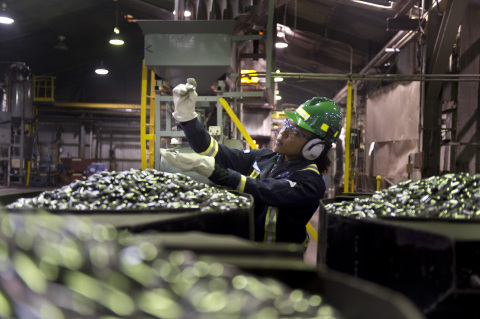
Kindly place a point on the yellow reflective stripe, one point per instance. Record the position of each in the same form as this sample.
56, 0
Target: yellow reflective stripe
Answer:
254, 174
212, 150
241, 185
303, 113
270, 235
311, 167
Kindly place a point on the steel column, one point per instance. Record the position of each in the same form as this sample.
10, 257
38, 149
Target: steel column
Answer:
431, 137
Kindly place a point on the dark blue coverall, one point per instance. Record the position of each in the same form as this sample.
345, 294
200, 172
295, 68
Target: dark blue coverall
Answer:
286, 194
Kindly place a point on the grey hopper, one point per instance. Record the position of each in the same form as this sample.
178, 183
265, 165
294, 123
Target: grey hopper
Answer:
177, 50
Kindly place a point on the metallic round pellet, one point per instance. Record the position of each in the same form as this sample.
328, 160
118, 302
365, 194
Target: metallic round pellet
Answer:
135, 190
454, 196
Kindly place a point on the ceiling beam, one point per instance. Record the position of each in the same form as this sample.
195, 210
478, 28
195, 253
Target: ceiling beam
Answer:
401, 7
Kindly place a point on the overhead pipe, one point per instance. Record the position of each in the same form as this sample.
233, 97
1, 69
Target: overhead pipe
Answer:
98, 105
380, 77
402, 36
345, 44
399, 40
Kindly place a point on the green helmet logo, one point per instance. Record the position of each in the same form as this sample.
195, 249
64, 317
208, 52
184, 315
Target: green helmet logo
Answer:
319, 115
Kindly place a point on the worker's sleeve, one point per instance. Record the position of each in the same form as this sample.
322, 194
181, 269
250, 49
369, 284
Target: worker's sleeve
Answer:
299, 188
219, 175
233, 168
204, 144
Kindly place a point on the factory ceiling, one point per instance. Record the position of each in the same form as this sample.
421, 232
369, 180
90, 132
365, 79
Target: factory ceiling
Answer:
329, 36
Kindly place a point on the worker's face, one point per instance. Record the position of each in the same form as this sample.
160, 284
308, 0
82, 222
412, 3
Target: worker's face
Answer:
290, 140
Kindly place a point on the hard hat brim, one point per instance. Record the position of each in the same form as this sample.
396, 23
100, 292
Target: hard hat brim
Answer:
298, 120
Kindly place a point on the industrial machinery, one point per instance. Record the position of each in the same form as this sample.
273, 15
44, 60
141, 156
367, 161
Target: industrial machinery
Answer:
16, 115
418, 237
207, 51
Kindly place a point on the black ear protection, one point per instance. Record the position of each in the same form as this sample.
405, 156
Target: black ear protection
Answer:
317, 147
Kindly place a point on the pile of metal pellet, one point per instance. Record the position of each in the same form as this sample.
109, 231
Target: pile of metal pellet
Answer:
56, 268
453, 196
136, 190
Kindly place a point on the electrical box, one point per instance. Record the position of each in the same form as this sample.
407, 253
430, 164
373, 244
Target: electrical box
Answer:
5, 135
417, 160
355, 136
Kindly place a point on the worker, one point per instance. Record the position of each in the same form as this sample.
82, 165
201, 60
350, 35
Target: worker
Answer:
285, 183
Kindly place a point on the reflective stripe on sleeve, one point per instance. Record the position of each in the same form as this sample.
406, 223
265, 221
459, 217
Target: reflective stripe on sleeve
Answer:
256, 170
270, 235
241, 185
254, 174
212, 150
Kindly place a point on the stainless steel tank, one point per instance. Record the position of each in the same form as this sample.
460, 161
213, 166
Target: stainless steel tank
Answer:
19, 90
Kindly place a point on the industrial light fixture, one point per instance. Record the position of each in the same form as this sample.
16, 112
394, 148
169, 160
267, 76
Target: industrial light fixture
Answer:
186, 13
249, 76
61, 45
392, 50
278, 97
101, 69
278, 78
116, 38
383, 4
4, 18
281, 33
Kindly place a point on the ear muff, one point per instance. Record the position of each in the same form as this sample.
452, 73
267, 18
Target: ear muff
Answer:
316, 147
313, 149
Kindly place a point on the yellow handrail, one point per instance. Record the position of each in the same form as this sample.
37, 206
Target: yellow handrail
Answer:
347, 137
143, 116
151, 143
237, 122
43, 88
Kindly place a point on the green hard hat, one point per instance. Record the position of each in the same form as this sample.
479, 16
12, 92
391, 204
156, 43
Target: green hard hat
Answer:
318, 115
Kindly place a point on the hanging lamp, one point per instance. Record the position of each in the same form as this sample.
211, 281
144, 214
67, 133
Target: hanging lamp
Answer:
116, 38
101, 69
4, 17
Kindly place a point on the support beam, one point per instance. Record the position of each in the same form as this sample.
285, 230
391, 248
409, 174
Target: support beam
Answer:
467, 134
431, 137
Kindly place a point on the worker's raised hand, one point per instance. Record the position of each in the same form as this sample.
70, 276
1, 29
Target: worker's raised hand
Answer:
184, 98
203, 165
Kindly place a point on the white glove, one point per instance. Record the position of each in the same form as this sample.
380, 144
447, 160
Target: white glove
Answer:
184, 98
203, 165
